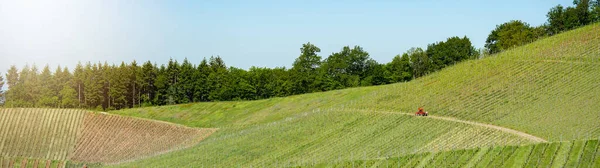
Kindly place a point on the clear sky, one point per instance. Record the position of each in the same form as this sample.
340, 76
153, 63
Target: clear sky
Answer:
265, 33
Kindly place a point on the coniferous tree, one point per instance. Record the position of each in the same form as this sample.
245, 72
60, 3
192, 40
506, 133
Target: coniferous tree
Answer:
93, 86
162, 86
47, 96
201, 85
218, 80
187, 80
79, 78
148, 82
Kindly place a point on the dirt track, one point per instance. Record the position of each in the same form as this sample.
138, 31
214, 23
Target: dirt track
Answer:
503, 129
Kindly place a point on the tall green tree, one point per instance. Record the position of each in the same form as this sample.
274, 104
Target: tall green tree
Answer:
47, 96
148, 87
595, 11
12, 78
68, 97
162, 86
218, 80
93, 86
173, 69
305, 70
133, 83
419, 62
450, 52
187, 81
399, 69
556, 20
118, 86
201, 85
241, 89
79, 76
510, 34
583, 11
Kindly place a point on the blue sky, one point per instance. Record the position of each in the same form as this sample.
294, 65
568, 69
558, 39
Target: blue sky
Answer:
244, 33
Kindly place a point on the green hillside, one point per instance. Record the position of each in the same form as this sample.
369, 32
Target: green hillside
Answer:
580, 153
546, 89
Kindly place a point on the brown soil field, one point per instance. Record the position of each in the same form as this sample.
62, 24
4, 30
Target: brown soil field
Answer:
112, 139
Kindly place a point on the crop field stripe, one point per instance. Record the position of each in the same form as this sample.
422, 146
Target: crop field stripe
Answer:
414, 160
46, 133
63, 128
54, 125
597, 158
40, 125
70, 130
562, 154
78, 132
520, 156
425, 160
438, 159
588, 153
533, 159
4, 129
76, 126
455, 158
15, 132
39, 129
36, 128
575, 154
549, 154
501, 159
464, 159
487, 159
16, 149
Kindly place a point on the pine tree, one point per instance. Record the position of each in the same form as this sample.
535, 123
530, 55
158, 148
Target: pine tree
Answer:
186, 82
148, 82
47, 96
79, 78
201, 83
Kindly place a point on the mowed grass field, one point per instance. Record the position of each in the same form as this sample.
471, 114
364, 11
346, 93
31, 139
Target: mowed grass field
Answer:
61, 137
547, 89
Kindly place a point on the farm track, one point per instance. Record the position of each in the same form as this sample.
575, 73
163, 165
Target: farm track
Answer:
503, 129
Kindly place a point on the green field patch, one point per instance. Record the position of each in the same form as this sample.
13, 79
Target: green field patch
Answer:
549, 154
562, 154
535, 156
588, 153
575, 154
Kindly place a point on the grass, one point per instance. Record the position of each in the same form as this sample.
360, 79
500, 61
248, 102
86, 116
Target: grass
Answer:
547, 88
503, 156
21, 162
330, 136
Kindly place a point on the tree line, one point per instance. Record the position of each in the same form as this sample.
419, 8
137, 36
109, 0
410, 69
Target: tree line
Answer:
105, 87
516, 33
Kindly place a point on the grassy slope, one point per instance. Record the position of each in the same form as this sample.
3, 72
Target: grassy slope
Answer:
547, 88
538, 155
329, 136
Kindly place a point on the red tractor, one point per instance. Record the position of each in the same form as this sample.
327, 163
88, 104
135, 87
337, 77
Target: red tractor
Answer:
421, 112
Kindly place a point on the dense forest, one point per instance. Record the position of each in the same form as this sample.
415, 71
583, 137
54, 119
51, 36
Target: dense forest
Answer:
106, 86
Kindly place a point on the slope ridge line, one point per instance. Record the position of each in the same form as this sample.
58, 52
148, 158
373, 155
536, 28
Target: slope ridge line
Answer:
499, 128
